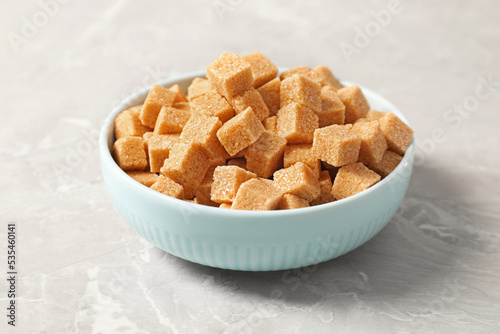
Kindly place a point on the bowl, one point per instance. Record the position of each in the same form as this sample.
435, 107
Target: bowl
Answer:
252, 240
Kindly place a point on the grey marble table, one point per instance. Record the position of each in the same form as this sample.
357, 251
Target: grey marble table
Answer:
81, 269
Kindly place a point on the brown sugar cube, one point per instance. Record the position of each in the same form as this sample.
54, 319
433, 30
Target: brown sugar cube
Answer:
257, 194
204, 201
145, 138
335, 145
298, 180
251, 98
327, 78
212, 164
361, 120
302, 153
333, 172
202, 130
331, 169
129, 153
397, 133
265, 156
182, 106
198, 87
225, 206
240, 131
216, 161
301, 70
159, 147
289, 201
205, 187
135, 110
157, 98
374, 115
263, 70
325, 185
270, 93
145, 178
213, 104
356, 105
326, 166
203, 191
226, 182
187, 164
240, 162
168, 187
387, 164
271, 124
188, 193
352, 179
127, 123
296, 123
332, 109
171, 120
373, 144
240, 154
230, 75
302, 90
179, 94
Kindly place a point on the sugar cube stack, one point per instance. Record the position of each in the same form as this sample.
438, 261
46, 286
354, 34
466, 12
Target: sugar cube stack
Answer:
248, 138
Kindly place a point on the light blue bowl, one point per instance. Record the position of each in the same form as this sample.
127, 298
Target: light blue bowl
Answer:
252, 240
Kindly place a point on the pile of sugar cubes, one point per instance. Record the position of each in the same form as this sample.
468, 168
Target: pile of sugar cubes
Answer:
246, 139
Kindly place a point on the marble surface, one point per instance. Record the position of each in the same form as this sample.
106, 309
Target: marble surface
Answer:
435, 268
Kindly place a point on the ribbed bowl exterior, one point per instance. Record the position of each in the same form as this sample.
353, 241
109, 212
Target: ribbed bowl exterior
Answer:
247, 240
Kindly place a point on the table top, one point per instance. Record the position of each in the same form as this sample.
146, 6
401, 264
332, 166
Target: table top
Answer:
81, 269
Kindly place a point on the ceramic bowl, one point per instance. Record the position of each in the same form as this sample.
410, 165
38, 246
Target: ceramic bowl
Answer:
252, 240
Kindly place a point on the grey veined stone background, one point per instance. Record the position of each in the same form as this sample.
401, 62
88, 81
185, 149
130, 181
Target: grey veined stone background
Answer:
81, 269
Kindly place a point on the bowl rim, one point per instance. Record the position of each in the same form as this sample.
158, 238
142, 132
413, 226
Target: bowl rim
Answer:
106, 157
